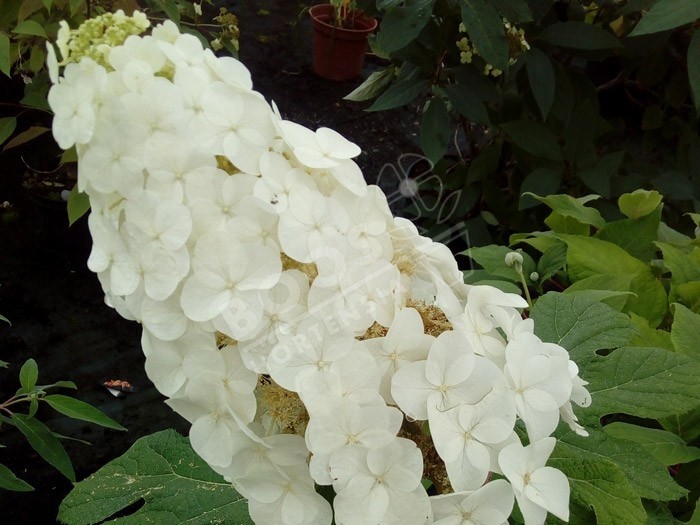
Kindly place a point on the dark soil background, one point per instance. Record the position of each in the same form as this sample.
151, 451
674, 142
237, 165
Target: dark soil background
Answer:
56, 305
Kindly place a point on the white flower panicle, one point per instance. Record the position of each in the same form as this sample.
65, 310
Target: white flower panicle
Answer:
308, 336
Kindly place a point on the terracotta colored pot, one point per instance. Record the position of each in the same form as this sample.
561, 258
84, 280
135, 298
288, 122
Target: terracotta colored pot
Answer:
339, 52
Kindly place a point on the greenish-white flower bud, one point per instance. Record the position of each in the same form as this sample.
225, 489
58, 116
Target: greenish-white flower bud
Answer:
513, 258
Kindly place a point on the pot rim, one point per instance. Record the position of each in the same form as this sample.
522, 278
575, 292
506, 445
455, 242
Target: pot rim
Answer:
318, 11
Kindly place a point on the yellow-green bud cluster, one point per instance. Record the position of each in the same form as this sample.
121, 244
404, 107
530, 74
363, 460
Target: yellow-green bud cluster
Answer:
96, 36
516, 45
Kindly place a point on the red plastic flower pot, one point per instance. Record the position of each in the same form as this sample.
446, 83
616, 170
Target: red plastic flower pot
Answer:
339, 52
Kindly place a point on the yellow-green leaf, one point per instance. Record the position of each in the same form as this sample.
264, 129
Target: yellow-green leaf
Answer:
30, 27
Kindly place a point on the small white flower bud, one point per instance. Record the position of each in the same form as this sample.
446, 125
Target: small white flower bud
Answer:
513, 258
534, 277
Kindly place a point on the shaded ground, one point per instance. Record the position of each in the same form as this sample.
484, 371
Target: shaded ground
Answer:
56, 304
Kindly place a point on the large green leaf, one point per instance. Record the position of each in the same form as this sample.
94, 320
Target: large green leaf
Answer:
399, 94
465, 101
667, 14
542, 80
515, 11
639, 203
649, 478
45, 443
684, 268
665, 446
485, 29
635, 236
77, 409
435, 129
492, 259
163, 470
588, 256
694, 67
600, 485
642, 382
402, 24
580, 325
541, 181
685, 332
30, 27
534, 138
9, 481
579, 35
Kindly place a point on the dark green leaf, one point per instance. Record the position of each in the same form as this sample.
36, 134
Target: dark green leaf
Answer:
60, 384
75, 6
9, 481
553, 259
30, 27
599, 176
4, 55
600, 485
170, 8
435, 130
534, 138
694, 67
492, 259
45, 443
485, 29
666, 447
77, 409
515, 11
27, 135
402, 24
542, 80
687, 426
78, 205
667, 14
33, 407
162, 470
373, 86
28, 375
467, 103
7, 128
580, 325
649, 477
399, 94
579, 35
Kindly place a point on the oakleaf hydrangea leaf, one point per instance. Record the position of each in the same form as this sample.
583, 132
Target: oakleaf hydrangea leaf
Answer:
163, 470
580, 324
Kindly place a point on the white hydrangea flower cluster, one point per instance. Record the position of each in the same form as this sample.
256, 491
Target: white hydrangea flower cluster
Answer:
310, 337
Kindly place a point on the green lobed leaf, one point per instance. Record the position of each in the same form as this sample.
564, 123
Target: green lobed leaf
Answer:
685, 331
9, 481
399, 94
7, 128
373, 86
78, 205
649, 336
639, 203
485, 29
665, 446
534, 138
45, 443
542, 80
540, 181
667, 14
684, 267
569, 206
77, 409
579, 35
599, 485
559, 223
176, 485
30, 27
635, 236
579, 324
402, 24
687, 426
642, 382
4, 55
28, 375
588, 256
435, 130
619, 285
649, 478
